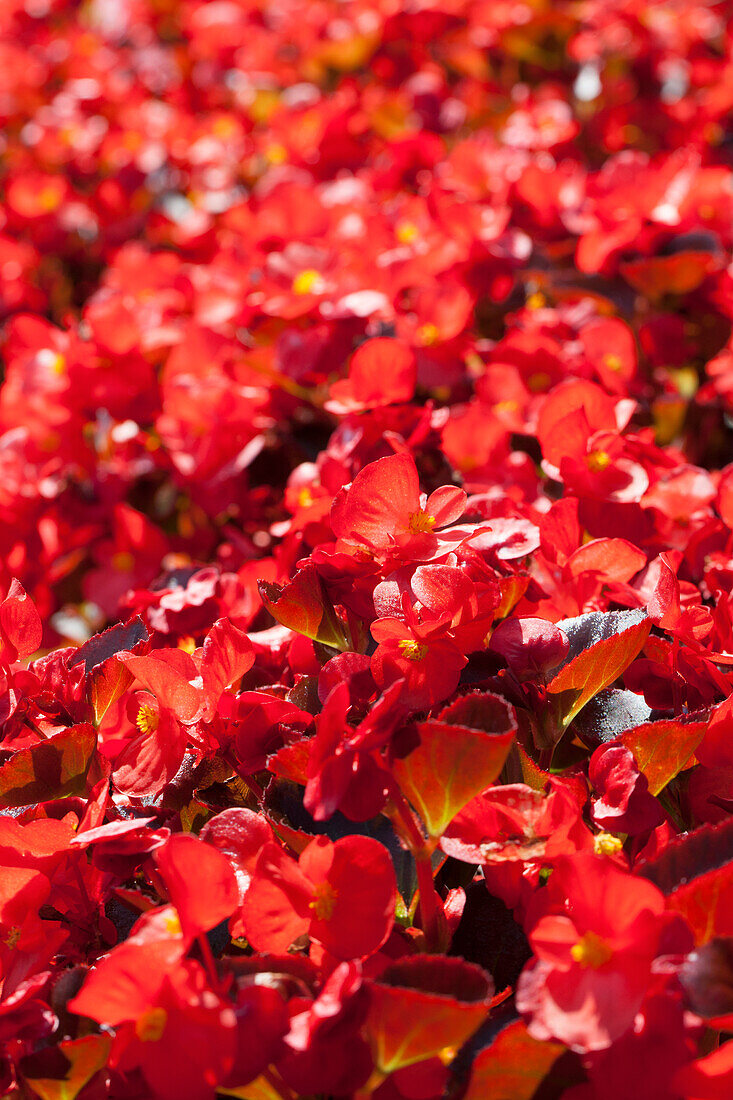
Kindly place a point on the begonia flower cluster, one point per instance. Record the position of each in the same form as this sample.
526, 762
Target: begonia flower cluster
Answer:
366, 549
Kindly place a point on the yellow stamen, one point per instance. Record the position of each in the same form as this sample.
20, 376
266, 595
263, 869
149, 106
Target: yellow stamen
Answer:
428, 334
413, 650
536, 300
305, 282
12, 938
421, 523
591, 950
406, 232
150, 1026
147, 719
597, 461
613, 362
324, 900
606, 845
173, 924
49, 198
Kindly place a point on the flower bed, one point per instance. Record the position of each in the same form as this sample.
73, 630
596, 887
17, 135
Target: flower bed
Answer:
366, 555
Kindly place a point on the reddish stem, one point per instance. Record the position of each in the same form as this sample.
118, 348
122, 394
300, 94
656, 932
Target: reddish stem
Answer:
432, 917
209, 961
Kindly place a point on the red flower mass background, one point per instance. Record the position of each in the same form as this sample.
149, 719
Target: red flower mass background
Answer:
366, 550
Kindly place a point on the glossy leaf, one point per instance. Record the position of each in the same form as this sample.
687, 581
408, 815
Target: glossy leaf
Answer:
20, 623
84, 1057
421, 1005
512, 1067
121, 638
106, 684
663, 749
707, 978
302, 606
695, 872
453, 762
54, 768
598, 667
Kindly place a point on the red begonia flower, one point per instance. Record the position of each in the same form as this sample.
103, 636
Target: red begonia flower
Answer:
341, 894
384, 511
594, 947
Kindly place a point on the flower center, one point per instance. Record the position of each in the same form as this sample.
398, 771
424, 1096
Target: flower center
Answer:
406, 232
12, 938
606, 845
173, 924
305, 281
49, 198
150, 1026
428, 334
413, 650
597, 461
323, 901
613, 362
421, 523
591, 950
147, 719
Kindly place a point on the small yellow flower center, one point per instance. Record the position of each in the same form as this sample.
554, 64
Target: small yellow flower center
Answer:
51, 360
173, 924
413, 650
12, 938
406, 232
306, 281
428, 334
597, 461
606, 845
613, 362
147, 719
421, 523
536, 300
187, 644
506, 406
49, 198
591, 950
305, 497
323, 901
276, 154
150, 1026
